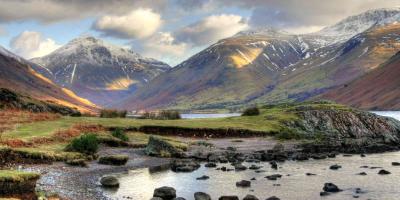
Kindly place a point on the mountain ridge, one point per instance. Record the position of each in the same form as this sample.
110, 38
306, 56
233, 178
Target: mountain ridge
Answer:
97, 70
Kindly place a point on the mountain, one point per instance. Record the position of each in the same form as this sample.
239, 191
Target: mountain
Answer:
376, 90
98, 71
17, 75
267, 65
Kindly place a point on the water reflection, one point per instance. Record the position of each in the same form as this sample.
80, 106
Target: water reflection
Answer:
140, 184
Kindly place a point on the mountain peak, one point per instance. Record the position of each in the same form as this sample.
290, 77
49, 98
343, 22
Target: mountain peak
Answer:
267, 31
356, 24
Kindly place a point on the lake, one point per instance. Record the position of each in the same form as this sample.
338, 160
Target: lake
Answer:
394, 114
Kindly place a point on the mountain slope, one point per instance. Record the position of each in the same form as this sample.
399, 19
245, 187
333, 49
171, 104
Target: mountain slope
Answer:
17, 75
266, 65
377, 90
332, 67
98, 71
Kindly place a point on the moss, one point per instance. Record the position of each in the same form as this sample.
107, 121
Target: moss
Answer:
17, 176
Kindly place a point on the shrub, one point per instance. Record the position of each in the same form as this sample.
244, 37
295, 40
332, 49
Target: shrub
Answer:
119, 133
87, 144
163, 115
106, 113
169, 114
253, 111
289, 134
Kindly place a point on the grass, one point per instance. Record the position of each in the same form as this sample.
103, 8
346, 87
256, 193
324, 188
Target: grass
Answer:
142, 139
270, 120
17, 176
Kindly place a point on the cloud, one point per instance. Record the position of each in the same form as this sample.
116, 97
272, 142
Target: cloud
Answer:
299, 14
30, 44
211, 29
139, 23
163, 46
48, 11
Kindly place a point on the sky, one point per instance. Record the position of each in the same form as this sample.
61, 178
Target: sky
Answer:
168, 30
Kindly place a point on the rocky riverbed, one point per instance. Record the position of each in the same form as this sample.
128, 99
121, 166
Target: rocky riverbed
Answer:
273, 169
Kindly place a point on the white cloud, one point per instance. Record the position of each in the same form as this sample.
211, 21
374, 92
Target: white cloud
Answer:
139, 23
163, 46
30, 44
48, 11
211, 29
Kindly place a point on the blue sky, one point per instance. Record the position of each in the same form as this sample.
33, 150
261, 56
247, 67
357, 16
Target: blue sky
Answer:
169, 30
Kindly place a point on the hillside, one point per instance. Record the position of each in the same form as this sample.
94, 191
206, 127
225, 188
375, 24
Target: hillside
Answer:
17, 75
267, 65
377, 90
98, 71
12, 100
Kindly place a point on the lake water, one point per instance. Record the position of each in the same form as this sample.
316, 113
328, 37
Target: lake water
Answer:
394, 114
202, 116
294, 185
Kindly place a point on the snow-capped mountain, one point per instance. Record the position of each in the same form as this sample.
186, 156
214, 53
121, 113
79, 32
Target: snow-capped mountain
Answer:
97, 70
354, 25
267, 65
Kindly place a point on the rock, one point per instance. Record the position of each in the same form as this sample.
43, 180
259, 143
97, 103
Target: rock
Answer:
273, 177
362, 155
184, 165
331, 155
160, 148
109, 181
210, 165
178, 198
243, 183
335, 167
330, 187
396, 163
165, 193
274, 165
362, 174
77, 162
319, 156
114, 160
229, 198
301, 157
231, 148
383, 172
347, 155
323, 193
253, 179
250, 197
273, 198
240, 167
254, 167
278, 147
201, 196
259, 171
310, 174
204, 177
